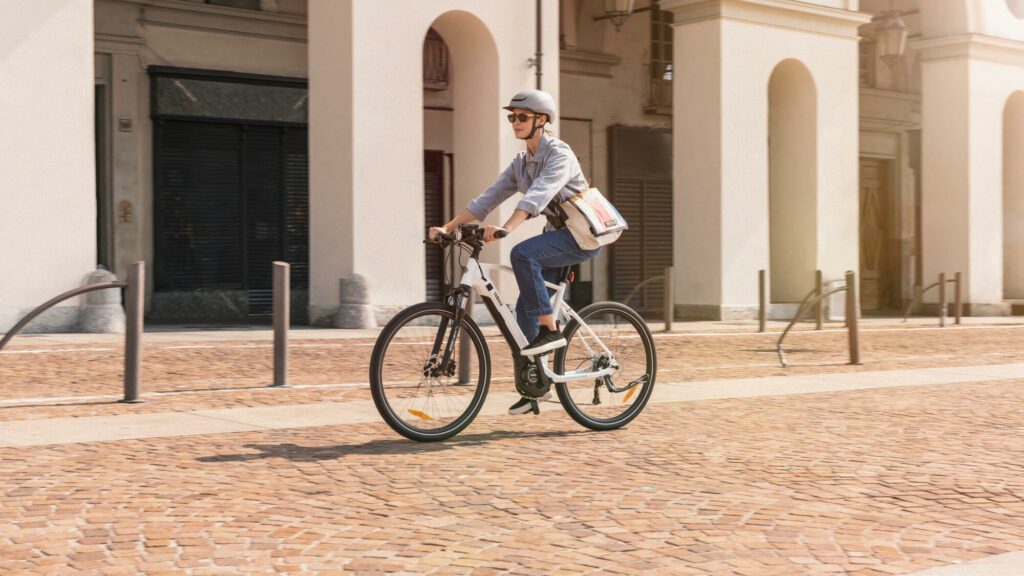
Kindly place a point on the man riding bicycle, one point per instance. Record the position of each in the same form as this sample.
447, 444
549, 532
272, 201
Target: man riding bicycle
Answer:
546, 173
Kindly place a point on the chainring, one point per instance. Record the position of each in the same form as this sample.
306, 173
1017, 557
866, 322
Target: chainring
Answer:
528, 381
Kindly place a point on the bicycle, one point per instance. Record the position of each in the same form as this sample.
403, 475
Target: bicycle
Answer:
431, 367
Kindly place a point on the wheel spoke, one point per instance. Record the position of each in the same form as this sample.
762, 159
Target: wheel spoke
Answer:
410, 393
606, 404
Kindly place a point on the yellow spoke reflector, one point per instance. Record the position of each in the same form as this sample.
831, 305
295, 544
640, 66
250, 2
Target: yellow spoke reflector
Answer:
420, 415
630, 393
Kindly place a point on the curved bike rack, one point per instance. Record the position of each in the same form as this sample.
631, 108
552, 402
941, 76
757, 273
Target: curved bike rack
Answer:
851, 317
762, 299
669, 304
134, 305
941, 283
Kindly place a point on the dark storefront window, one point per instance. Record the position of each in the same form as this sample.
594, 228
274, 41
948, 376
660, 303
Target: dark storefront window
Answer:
231, 185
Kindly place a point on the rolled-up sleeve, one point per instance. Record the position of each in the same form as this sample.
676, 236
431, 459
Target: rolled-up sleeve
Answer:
552, 178
500, 191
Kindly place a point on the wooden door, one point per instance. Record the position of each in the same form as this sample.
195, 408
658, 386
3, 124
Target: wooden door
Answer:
876, 276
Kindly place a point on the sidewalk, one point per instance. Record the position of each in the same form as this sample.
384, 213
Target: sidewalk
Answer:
170, 424
162, 333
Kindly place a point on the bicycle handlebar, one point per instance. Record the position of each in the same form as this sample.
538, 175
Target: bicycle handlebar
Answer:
467, 233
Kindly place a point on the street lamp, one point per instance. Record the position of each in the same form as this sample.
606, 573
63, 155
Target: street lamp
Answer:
618, 10
891, 35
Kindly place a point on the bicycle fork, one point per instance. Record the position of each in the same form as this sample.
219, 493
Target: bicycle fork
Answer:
447, 336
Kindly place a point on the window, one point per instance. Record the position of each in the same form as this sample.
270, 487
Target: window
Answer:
231, 185
661, 43
659, 84
435, 62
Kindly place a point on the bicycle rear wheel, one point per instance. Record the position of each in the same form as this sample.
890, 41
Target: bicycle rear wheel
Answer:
416, 394
612, 401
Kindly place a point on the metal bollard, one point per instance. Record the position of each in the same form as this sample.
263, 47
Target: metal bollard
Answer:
853, 329
958, 303
135, 307
762, 314
942, 300
669, 299
466, 349
819, 308
282, 319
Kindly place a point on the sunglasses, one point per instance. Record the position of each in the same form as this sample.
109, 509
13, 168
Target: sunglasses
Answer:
521, 117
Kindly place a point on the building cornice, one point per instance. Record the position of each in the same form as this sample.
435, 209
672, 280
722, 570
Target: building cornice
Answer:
971, 46
210, 18
790, 14
113, 44
889, 110
587, 63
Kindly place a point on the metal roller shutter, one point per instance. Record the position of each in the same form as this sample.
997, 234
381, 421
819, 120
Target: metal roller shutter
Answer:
641, 188
231, 199
433, 210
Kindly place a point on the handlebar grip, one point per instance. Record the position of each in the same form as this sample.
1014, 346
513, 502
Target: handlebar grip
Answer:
500, 233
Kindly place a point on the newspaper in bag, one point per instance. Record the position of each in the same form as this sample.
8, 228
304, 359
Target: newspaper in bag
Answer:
592, 219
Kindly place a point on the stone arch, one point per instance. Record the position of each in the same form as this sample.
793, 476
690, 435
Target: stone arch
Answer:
472, 127
792, 177
1013, 197
1016, 8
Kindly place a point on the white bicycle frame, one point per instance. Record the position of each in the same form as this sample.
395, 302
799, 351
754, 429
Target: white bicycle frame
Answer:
474, 277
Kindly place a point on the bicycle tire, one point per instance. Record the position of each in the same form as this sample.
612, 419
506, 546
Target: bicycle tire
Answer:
387, 403
570, 398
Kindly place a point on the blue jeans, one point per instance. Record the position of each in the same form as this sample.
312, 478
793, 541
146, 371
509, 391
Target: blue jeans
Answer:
538, 259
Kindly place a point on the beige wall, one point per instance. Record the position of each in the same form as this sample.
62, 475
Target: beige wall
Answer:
725, 54
47, 185
967, 81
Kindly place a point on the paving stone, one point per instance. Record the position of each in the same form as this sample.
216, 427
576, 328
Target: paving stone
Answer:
882, 481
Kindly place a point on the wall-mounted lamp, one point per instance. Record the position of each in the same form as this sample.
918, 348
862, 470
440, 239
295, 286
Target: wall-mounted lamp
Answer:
618, 10
891, 35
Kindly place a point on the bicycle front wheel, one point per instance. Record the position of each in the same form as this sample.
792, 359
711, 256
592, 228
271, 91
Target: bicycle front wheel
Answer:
416, 392
613, 335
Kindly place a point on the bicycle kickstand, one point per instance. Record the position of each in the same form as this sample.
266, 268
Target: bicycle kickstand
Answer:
534, 407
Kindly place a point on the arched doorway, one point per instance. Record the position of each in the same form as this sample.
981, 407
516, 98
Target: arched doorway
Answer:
461, 122
1013, 197
438, 204
792, 195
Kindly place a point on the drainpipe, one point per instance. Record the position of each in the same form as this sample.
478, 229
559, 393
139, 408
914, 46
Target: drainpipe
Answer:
537, 56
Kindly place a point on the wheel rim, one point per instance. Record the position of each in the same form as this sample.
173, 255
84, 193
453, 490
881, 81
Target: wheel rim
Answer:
629, 345
419, 396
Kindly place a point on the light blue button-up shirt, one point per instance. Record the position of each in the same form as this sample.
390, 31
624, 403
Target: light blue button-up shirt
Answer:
552, 174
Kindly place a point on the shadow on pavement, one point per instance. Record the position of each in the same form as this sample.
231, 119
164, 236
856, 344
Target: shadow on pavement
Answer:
297, 453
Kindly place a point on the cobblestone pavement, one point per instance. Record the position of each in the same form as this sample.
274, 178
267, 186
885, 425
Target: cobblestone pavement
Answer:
860, 482
865, 482
190, 375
